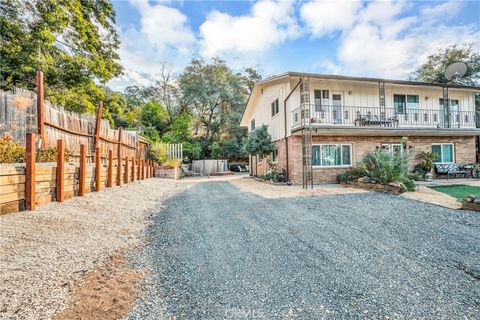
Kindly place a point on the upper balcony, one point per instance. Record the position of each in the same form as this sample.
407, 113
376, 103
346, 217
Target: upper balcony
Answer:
370, 117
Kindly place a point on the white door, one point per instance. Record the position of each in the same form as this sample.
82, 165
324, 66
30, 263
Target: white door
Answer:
337, 103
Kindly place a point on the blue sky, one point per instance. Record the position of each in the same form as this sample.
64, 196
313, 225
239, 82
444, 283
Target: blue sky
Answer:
368, 38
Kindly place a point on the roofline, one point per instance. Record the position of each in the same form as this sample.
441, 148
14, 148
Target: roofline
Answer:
352, 78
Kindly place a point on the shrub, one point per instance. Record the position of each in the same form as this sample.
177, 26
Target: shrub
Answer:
384, 167
49, 154
172, 163
10, 151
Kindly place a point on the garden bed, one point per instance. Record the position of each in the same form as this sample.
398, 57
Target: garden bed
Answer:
274, 183
390, 188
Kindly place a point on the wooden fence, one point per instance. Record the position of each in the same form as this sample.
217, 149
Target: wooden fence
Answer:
23, 112
23, 186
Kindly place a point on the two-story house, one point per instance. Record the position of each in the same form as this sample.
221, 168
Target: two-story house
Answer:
324, 124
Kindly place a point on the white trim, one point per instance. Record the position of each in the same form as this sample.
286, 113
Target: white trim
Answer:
441, 152
333, 144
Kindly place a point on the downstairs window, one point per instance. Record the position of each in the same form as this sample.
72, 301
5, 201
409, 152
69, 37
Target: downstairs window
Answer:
331, 155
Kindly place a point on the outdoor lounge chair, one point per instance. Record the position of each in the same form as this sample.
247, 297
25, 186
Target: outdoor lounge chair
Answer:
188, 173
450, 169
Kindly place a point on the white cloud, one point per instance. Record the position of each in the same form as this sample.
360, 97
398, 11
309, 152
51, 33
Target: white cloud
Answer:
383, 41
323, 17
164, 26
268, 24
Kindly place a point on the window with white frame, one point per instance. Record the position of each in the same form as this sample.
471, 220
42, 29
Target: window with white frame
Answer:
275, 107
275, 155
332, 155
394, 148
404, 102
445, 152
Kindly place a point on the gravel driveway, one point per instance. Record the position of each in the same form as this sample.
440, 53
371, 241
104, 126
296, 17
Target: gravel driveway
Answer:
220, 253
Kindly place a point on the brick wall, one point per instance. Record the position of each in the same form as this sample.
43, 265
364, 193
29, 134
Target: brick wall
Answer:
464, 152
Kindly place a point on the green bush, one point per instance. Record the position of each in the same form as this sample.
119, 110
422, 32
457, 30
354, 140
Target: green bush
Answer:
383, 167
10, 151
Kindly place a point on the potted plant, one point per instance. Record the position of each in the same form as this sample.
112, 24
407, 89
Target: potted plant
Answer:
426, 164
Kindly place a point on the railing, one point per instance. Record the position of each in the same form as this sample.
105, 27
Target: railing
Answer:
385, 117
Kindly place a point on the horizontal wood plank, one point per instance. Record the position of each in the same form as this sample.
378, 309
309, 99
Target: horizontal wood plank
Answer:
7, 180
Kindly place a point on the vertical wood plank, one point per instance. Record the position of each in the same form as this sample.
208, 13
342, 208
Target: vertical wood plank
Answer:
119, 157
98, 123
139, 169
30, 172
60, 170
83, 165
110, 169
97, 168
133, 168
126, 170
40, 108
143, 169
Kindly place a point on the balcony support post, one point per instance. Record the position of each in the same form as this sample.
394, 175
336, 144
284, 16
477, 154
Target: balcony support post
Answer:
446, 108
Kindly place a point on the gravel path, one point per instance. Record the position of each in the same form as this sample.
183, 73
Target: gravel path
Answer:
43, 253
220, 253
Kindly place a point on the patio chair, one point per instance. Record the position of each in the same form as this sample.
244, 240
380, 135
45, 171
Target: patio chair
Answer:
188, 173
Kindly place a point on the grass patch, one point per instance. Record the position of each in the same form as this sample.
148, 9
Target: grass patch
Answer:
458, 191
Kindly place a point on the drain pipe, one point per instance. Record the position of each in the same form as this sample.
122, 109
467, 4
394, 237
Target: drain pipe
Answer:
285, 120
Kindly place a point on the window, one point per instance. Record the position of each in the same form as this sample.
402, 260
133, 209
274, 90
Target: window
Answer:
444, 151
331, 155
318, 100
275, 155
252, 125
402, 102
413, 102
325, 98
275, 107
394, 148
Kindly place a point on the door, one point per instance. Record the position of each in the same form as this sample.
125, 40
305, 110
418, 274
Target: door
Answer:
337, 103
453, 117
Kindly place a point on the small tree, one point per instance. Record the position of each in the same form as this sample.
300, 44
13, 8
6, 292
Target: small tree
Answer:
259, 142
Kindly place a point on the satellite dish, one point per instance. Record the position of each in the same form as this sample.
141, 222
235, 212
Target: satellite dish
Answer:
455, 71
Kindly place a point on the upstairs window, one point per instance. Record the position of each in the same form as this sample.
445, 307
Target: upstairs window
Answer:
325, 97
252, 125
404, 102
318, 100
275, 107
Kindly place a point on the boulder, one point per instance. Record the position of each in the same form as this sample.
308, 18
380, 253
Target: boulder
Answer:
476, 200
469, 198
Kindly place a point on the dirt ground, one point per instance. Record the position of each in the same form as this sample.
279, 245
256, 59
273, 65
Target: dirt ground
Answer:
425, 194
107, 292
267, 190
46, 253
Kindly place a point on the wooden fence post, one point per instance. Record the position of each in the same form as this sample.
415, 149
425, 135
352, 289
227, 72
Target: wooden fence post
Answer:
133, 168
30, 172
126, 169
147, 171
119, 157
110, 169
98, 124
97, 168
40, 109
60, 170
139, 170
153, 168
83, 165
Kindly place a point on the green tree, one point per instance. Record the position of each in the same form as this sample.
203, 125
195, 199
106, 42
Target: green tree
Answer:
154, 115
211, 90
259, 142
433, 69
73, 42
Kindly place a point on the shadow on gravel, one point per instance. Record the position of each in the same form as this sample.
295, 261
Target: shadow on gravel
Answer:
220, 253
